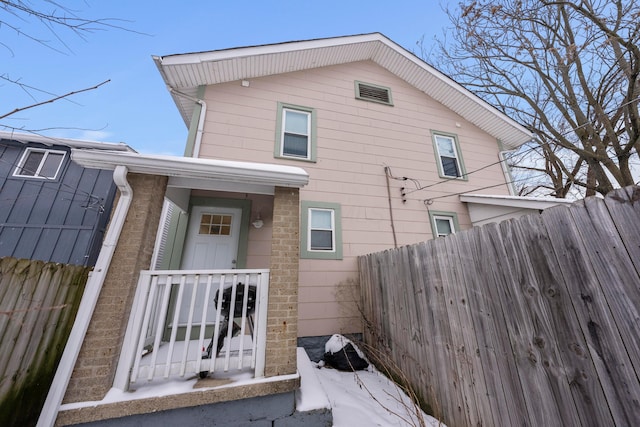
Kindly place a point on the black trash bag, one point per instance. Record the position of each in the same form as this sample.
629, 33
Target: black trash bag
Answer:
346, 359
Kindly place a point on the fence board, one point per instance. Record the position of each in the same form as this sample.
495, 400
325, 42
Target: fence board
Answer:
38, 302
615, 272
496, 353
611, 362
441, 337
531, 327
474, 343
425, 347
624, 209
532, 322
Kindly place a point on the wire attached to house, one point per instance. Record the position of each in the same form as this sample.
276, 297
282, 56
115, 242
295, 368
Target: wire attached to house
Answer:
430, 200
387, 173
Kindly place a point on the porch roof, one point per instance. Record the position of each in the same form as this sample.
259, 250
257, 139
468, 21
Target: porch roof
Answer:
196, 173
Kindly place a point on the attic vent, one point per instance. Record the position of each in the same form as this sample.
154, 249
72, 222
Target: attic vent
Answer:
369, 92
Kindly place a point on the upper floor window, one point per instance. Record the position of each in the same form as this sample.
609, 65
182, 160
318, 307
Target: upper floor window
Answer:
443, 223
447, 149
295, 132
40, 163
322, 234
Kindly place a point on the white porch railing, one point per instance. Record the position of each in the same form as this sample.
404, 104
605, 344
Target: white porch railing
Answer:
177, 315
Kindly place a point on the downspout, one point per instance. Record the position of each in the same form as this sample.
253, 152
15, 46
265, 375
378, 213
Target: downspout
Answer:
506, 170
203, 113
88, 303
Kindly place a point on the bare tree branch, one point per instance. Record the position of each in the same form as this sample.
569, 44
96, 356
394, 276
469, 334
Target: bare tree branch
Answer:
567, 70
54, 99
39, 21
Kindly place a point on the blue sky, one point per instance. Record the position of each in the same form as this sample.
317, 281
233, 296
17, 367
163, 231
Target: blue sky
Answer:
135, 106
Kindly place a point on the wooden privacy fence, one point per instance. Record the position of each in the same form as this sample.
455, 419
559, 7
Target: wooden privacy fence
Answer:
531, 322
38, 303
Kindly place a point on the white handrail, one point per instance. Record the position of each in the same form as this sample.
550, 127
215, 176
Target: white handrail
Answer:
169, 305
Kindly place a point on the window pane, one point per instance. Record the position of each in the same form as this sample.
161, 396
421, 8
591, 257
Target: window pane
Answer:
321, 240
296, 122
51, 164
219, 225
321, 219
32, 163
445, 146
443, 226
294, 145
450, 166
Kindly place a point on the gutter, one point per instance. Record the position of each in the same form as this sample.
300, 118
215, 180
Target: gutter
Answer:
197, 169
88, 303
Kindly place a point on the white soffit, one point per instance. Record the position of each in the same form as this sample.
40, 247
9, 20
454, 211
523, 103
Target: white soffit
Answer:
537, 203
185, 72
189, 172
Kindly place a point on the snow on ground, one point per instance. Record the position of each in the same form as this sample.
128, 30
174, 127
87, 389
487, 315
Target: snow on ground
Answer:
358, 398
368, 398
361, 398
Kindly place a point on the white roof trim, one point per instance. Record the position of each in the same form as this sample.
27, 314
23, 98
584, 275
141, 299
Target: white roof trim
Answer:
185, 72
190, 169
537, 203
26, 138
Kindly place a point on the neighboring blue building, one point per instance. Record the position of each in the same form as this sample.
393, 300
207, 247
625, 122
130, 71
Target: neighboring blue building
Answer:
51, 208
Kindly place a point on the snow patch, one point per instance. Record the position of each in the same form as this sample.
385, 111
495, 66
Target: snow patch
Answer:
337, 342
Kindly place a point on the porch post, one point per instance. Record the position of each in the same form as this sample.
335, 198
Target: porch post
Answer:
95, 368
282, 313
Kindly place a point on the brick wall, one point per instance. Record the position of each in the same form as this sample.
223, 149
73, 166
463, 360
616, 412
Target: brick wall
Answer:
282, 322
94, 371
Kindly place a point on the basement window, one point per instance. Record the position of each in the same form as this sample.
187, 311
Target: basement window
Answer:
443, 223
373, 93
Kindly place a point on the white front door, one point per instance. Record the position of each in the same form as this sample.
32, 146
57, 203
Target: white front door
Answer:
211, 243
212, 238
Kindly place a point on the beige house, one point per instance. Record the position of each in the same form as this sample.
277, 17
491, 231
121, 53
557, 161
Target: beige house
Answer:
300, 157
358, 114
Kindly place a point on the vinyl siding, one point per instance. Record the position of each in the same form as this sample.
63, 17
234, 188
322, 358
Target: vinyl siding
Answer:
53, 220
355, 140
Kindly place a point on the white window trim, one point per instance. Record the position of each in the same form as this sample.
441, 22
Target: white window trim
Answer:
280, 128
308, 134
456, 151
452, 217
36, 175
332, 229
305, 224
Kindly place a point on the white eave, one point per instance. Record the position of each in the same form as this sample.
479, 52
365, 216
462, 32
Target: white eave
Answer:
27, 138
186, 72
537, 203
195, 173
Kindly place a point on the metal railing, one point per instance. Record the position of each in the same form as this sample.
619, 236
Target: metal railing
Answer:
195, 322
